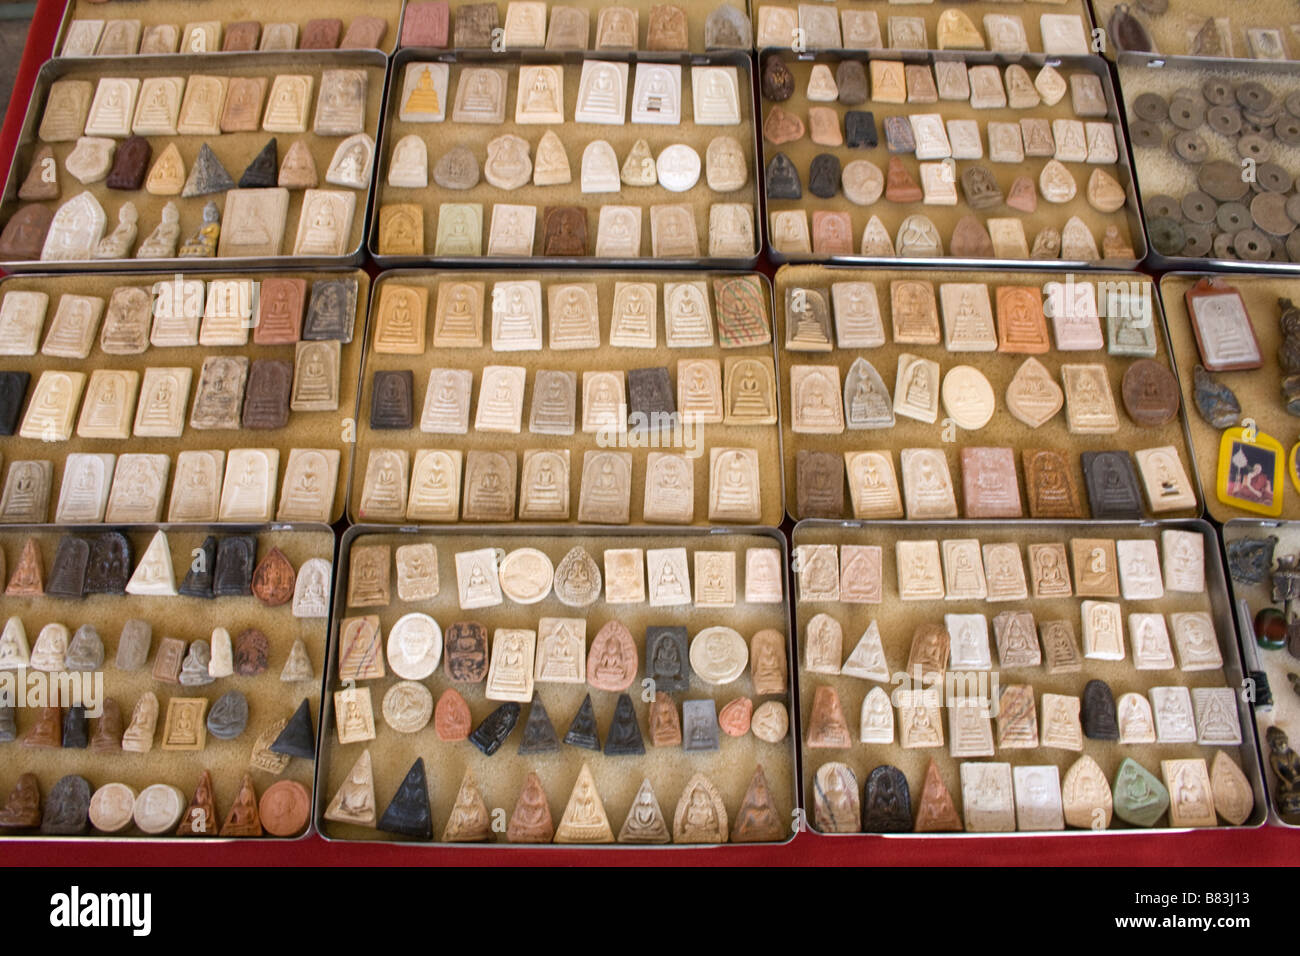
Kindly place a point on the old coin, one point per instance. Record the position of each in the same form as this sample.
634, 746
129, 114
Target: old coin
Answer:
862, 182
1167, 235
1151, 107
1224, 120
678, 167
1269, 212
284, 808
1144, 133
111, 808
407, 707
1232, 217
1287, 130
414, 646
1222, 180
1186, 113
1252, 245
1190, 147
158, 808
1275, 179
1253, 95
718, 655
1254, 146
526, 575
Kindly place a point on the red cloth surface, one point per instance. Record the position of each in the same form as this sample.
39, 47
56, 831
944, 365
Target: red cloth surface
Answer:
1265, 846
1261, 847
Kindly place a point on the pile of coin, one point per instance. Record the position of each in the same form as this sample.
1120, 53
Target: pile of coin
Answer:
1245, 205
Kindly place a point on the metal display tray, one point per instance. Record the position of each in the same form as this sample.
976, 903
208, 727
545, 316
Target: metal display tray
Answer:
440, 136
179, 13
1047, 214
1139, 73
1114, 293
305, 429
929, 12
1275, 664
189, 619
149, 207
691, 439
897, 618
500, 776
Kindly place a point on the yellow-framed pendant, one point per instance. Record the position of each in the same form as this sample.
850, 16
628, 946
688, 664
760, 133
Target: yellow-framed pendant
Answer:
1250, 471
1293, 465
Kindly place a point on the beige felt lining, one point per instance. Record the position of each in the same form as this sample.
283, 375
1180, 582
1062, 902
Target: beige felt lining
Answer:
898, 619
1160, 171
1004, 430
696, 14
501, 776
180, 12
1276, 664
189, 619
1054, 215
1028, 10
234, 150
441, 137
305, 429
764, 438
1258, 391
1172, 31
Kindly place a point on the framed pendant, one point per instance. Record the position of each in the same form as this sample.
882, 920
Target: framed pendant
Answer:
1250, 471
1224, 333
